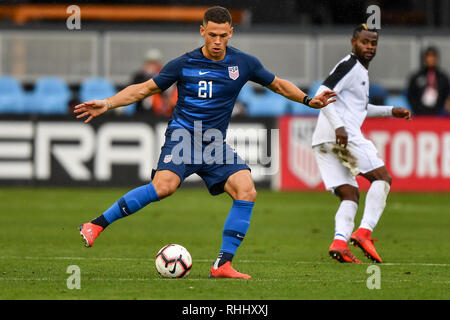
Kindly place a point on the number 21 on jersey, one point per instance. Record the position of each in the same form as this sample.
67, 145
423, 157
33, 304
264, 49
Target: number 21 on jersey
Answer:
205, 89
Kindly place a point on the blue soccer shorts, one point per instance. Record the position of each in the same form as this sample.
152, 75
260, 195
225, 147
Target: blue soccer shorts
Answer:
201, 158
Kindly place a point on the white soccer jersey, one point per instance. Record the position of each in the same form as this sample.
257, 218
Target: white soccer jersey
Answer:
350, 80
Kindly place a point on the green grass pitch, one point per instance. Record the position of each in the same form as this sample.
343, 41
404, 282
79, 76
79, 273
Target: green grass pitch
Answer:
285, 250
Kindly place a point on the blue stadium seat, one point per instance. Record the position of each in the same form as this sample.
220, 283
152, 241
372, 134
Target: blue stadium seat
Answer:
314, 87
130, 109
398, 101
267, 104
377, 94
96, 88
51, 95
30, 105
246, 94
101, 88
301, 109
12, 96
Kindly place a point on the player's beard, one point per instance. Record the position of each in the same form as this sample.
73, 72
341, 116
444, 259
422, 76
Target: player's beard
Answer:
361, 57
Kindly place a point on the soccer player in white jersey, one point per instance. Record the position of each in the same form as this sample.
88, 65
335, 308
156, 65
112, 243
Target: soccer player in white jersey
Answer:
342, 152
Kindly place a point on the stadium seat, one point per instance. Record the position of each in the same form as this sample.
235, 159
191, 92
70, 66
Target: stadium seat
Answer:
377, 94
267, 104
101, 88
96, 88
130, 109
51, 95
246, 94
398, 101
300, 109
12, 96
314, 87
30, 105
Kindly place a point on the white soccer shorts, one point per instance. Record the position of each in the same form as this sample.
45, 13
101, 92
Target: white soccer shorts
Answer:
339, 166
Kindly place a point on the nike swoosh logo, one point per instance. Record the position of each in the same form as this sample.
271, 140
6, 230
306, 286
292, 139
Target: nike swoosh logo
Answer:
175, 264
174, 267
202, 73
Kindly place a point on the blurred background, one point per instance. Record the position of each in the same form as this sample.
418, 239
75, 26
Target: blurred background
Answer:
54, 55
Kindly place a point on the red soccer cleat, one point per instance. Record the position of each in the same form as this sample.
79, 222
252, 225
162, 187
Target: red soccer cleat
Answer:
361, 238
89, 232
340, 251
227, 271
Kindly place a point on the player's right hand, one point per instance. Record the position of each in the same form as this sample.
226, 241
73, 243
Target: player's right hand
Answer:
341, 137
91, 109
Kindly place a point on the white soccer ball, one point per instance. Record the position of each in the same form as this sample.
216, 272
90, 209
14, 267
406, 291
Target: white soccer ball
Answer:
173, 261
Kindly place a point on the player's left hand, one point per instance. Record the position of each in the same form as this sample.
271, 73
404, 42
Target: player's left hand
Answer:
322, 100
401, 113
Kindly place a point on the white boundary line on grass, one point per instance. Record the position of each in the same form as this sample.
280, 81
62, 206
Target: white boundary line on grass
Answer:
209, 279
210, 260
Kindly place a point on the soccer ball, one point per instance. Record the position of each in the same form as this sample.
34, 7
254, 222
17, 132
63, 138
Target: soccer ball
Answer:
173, 261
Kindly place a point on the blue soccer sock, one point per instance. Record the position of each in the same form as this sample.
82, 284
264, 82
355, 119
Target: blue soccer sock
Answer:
234, 230
131, 202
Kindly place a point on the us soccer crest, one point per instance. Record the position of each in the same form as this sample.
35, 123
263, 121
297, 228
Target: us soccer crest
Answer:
167, 158
233, 72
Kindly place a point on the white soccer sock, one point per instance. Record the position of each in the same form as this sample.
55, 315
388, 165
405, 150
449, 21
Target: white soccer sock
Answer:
344, 220
375, 204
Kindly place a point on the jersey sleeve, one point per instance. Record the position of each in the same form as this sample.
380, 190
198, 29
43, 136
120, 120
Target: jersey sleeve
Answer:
341, 76
169, 74
259, 74
330, 111
379, 111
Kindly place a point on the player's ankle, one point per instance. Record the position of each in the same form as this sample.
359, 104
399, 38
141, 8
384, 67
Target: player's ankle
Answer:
101, 221
223, 258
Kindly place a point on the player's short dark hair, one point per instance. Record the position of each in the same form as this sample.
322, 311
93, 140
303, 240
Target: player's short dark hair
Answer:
432, 50
362, 27
217, 14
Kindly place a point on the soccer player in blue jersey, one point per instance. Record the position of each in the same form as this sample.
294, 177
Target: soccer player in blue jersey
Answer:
208, 81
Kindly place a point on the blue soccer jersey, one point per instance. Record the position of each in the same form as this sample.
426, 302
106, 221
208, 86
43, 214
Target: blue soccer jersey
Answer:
207, 89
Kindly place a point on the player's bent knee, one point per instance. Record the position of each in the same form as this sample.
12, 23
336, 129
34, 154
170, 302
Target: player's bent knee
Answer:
164, 191
388, 179
240, 186
252, 195
379, 174
165, 183
246, 195
347, 192
351, 197
164, 188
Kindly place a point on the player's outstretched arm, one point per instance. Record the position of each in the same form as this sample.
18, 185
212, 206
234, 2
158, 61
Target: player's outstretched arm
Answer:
292, 92
387, 111
129, 95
